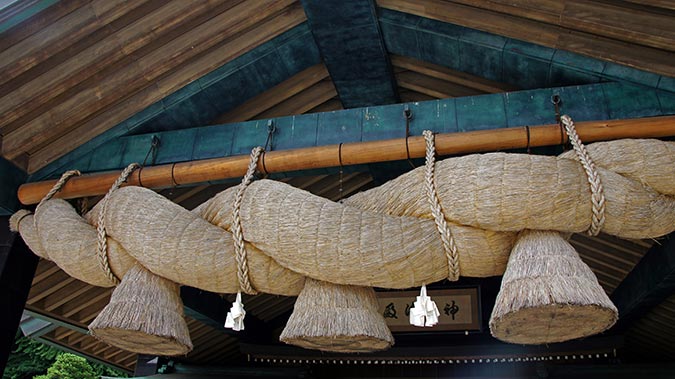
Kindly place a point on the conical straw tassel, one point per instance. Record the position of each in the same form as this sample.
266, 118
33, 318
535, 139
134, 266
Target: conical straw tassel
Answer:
145, 315
338, 318
549, 294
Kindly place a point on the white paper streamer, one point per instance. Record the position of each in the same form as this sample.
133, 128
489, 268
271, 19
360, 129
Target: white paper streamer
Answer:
235, 317
424, 312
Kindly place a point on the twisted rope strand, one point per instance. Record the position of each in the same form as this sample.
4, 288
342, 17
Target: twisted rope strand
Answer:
449, 245
57, 186
102, 251
597, 190
239, 247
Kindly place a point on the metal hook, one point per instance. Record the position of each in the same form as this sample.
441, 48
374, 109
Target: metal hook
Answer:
407, 113
271, 129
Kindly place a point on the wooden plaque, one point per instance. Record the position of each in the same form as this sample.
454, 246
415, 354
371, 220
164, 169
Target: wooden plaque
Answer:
458, 307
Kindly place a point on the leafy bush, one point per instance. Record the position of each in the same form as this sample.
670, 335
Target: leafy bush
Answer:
31, 359
69, 366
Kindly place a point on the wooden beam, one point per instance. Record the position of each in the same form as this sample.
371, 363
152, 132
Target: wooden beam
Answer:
354, 153
348, 35
650, 282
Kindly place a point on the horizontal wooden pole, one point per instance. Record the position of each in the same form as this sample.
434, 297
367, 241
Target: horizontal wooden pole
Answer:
352, 154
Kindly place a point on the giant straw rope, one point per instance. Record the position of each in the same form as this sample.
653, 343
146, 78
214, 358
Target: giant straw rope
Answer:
460, 216
383, 237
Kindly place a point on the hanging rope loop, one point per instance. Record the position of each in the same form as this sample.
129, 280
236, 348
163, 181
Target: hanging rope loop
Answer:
239, 245
102, 251
58, 185
597, 190
449, 245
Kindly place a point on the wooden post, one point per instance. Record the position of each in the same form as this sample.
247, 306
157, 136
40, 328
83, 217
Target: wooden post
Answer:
352, 154
17, 267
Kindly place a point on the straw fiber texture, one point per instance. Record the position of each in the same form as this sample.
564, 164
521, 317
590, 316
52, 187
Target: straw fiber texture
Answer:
337, 318
145, 315
549, 294
382, 237
512, 192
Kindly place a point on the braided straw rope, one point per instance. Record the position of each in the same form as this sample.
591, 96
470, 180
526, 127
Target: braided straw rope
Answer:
449, 245
58, 185
597, 190
102, 252
238, 234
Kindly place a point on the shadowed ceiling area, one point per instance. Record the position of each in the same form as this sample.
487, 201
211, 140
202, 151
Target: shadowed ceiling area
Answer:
80, 78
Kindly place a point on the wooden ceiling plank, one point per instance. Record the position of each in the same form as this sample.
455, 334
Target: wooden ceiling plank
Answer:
91, 343
200, 331
207, 344
76, 338
269, 25
99, 350
353, 186
640, 57
33, 50
333, 104
303, 182
192, 192
550, 35
122, 47
77, 135
65, 333
658, 329
475, 18
88, 314
113, 353
433, 87
618, 271
622, 23
140, 73
547, 11
84, 301
625, 255
271, 302
210, 346
48, 287
651, 282
330, 183
275, 95
126, 357
439, 72
302, 102
665, 4
608, 19
45, 269
71, 292
38, 22
410, 96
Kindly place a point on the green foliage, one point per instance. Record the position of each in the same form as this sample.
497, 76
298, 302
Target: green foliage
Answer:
69, 366
31, 358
